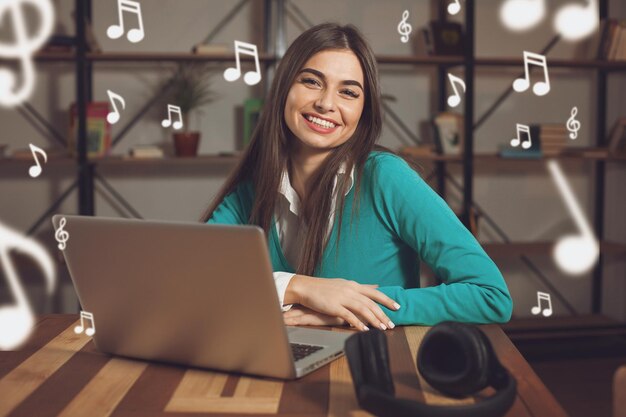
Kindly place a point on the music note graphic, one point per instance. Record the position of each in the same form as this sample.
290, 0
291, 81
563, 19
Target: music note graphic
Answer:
114, 116
541, 88
35, 170
575, 254
251, 77
455, 99
574, 22
547, 312
168, 122
17, 321
61, 235
116, 31
89, 331
25, 44
573, 125
404, 28
520, 15
454, 7
525, 142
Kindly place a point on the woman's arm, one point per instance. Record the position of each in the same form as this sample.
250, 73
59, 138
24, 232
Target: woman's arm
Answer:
472, 289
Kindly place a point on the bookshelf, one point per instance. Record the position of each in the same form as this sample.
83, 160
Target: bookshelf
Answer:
85, 63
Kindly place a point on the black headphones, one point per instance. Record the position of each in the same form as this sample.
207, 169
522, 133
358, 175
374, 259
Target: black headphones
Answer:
454, 358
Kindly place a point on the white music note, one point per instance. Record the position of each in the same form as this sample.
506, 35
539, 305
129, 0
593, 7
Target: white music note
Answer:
520, 15
455, 99
116, 31
23, 47
574, 22
546, 311
540, 88
454, 7
525, 142
17, 321
573, 125
404, 28
114, 116
35, 170
90, 330
168, 122
575, 254
61, 235
251, 77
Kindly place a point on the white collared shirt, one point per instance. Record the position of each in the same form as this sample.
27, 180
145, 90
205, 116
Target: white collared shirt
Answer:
288, 227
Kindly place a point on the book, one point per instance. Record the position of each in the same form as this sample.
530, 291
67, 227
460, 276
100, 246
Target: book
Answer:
98, 129
146, 151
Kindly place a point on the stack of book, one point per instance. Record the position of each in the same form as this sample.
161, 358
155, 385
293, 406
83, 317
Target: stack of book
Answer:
146, 151
553, 138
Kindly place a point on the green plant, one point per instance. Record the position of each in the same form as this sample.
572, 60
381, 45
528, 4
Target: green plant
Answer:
190, 88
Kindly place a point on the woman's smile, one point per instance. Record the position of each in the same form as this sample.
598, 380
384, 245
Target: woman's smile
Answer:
326, 100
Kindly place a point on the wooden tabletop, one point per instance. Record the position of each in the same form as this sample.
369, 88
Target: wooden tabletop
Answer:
60, 373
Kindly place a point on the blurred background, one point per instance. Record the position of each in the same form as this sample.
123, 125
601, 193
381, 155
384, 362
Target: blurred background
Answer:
506, 195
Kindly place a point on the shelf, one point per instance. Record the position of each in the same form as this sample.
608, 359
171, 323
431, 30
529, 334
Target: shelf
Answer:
555, 327
124, 160
554, 63
382, 59
150, 57
569, 154
518, 249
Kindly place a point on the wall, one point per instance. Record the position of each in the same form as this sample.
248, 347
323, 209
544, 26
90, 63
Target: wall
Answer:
522, 199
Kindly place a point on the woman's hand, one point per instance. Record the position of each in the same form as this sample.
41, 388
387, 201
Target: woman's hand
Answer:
348, 300
302, 316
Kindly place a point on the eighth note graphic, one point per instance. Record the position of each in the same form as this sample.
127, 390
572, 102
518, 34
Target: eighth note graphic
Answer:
540, 88
546, 311
455, 99
573, 125
404, 28
250, 77
61, 235
454, 7
575, 254
525, 142
17, 319
116, 31
90, 330
35, 170
114, 116
168, 122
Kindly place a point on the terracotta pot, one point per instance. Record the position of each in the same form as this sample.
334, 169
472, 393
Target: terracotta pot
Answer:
186, 143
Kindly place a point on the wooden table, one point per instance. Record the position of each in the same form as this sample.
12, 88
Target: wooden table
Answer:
60, 373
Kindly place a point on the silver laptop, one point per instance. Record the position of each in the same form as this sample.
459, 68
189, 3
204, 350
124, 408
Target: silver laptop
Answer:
188, 293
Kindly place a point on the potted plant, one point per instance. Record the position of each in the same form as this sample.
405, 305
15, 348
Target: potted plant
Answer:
189, 90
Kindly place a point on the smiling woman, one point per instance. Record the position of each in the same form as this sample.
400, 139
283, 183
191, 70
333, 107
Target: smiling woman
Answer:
312, 160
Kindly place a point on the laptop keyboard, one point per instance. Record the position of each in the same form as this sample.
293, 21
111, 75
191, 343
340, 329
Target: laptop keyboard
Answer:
302, 351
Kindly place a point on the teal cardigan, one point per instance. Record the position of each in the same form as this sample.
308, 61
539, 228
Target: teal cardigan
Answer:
400, 221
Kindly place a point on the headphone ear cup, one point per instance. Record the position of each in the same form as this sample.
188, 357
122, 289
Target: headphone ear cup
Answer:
368, 359
455, 359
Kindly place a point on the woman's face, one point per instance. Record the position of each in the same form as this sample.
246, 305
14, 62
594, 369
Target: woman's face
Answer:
326, 100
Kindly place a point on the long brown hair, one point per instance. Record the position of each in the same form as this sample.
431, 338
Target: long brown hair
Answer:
267, 154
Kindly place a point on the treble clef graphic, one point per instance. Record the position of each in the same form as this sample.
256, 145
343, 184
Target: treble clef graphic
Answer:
22, 49
61, 235
404, 28
573, 125
17, 321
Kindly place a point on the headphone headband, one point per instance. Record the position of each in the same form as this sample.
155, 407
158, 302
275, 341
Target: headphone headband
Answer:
367, 355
